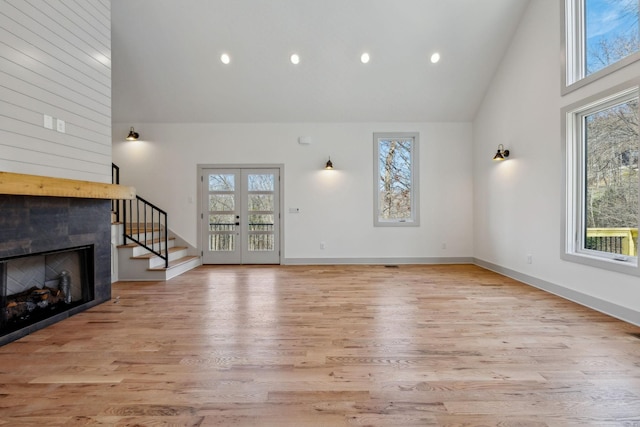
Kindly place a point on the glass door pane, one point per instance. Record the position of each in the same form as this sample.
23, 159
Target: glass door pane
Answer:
221, 216
262, 216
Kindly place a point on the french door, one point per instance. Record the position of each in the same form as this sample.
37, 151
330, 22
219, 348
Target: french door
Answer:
241, 216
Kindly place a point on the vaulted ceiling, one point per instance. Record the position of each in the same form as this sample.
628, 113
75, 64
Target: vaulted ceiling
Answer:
166, 59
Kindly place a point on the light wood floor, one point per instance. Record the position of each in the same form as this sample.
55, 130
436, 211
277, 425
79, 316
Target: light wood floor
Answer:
327, 346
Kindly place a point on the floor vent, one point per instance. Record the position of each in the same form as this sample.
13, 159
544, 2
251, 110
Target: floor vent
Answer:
390, 266
635, 334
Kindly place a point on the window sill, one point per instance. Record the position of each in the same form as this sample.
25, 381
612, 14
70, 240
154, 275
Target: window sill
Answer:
629, 266
396, 224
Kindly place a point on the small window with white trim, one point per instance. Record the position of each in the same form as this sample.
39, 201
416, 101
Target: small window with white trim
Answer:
396, 179
602, 180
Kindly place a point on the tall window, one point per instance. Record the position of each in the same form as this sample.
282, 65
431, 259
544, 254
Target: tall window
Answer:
602, 177
602, 145
396, 179
600, 37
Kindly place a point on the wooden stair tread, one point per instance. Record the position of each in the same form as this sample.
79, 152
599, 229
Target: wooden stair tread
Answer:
175, 263
151, 254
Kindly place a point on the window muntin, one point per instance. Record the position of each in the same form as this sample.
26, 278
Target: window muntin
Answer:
601, 36
602, 179
396, 179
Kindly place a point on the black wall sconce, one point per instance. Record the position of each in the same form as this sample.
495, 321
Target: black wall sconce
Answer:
329, 165
133, 135
502, 154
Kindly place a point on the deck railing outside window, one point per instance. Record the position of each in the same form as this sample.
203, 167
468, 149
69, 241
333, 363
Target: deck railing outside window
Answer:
622, 241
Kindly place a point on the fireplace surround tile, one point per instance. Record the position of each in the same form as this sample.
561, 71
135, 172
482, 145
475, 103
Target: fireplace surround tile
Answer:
34, 224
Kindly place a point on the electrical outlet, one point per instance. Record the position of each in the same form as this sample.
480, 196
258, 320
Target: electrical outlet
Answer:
48, 122
322, 245
60, 126
444, 246
529, 259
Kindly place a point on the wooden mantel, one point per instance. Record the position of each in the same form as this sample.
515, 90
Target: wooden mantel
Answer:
34, 185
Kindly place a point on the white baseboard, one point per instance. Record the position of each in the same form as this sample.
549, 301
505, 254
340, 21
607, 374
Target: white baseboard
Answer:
378, 261
611, 309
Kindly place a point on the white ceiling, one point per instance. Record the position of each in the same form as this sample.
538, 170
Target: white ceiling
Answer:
166, 59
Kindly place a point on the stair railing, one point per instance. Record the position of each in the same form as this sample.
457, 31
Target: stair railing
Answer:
115, 179
146, 225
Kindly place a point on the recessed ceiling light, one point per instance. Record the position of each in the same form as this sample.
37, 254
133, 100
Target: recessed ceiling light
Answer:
225, 58
364, 58
435, 58
295, 59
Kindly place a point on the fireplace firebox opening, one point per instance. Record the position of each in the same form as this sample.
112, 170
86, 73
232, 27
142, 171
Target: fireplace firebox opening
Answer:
38, 286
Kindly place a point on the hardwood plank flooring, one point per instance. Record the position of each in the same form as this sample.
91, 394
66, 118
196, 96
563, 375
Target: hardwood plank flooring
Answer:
326, 346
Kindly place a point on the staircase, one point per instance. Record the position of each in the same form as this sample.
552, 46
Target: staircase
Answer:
137, 263
146, 248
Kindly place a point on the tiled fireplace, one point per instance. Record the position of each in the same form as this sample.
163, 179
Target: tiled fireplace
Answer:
40, 237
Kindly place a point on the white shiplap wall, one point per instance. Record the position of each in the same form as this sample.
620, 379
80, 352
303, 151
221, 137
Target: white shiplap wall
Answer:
55, 60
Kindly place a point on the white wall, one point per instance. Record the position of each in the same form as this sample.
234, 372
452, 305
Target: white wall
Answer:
336, 206
518, 203
55, 60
